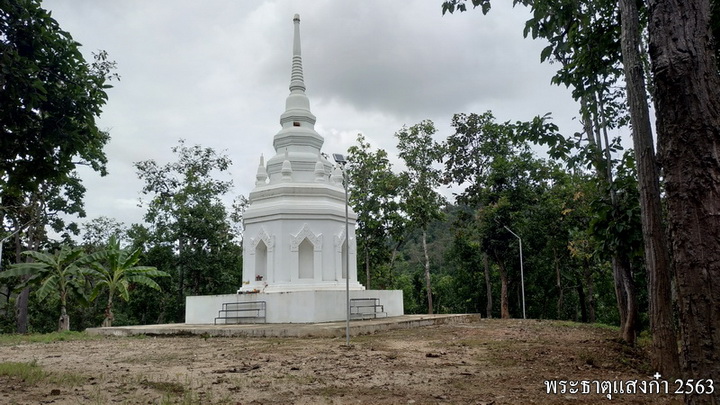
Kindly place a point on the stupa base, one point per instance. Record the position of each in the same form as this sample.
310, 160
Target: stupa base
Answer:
291, 306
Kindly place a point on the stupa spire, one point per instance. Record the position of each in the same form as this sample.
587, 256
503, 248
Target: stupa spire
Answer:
296, 78
297, 105
297, 144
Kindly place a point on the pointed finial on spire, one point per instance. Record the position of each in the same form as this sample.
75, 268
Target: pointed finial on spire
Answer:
296, 78
261, 176
320, 175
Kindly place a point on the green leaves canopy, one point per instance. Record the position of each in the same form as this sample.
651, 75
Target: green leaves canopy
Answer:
50, 97
115, 269
420, 152
59, 275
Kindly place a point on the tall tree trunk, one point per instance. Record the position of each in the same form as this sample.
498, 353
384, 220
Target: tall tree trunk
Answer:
427, 273
625, 293
64, 320
626, 297
107, 322
590, 296
665, 357
558, 284
391, 270
21, 310
22, 300
630, 327
582, 300
504, 306
619, 294
687, 99
488, 287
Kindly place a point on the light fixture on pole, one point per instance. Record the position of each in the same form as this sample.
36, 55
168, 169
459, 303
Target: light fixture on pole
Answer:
522, 275
340, 159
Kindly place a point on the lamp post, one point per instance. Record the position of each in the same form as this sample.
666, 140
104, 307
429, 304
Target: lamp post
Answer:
340, 159
522, 275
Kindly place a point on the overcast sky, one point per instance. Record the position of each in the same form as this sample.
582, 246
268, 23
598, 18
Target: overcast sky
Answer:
216, 73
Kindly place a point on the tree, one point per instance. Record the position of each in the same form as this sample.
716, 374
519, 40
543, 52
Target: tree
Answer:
584, 38
657, 257
115, 270
374, 192
502, 180
98, 231
687, 100
422, 203
190, 230
51, 97
61, 276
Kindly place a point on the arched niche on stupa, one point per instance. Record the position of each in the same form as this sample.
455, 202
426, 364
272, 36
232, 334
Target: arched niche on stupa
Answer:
306, 255
262, 253
341, 250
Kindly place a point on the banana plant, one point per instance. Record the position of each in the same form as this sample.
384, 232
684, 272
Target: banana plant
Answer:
115, 269
61, 275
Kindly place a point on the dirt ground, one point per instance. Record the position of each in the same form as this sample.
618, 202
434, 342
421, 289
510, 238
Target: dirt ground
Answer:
483, 362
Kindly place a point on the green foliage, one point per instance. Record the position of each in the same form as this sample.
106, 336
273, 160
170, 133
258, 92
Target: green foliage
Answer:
420, 153
30, 372
50, 97
66, 336
98, 231
616, 225
374, 190
421, 202
57, 274
191, 235
60, 277
115, 270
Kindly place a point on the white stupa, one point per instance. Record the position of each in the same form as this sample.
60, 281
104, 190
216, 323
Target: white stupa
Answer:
294, 243
294, 237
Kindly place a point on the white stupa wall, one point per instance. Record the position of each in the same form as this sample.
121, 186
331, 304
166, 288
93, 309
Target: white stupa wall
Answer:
292, 307
298, 251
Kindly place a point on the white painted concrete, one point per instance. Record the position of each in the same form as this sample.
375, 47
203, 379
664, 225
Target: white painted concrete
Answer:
292, 306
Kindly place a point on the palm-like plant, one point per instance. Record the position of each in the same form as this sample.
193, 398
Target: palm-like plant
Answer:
61, 275
115, 269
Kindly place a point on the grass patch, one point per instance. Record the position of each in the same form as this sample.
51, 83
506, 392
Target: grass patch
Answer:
164, 386
14, 339
579, 325
606, 327
193, 398
32, 373
176, 393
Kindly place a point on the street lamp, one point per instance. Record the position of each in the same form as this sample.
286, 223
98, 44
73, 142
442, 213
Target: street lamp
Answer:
522, 275
340, 159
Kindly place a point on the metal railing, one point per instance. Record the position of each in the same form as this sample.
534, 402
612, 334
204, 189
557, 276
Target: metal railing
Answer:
242, 312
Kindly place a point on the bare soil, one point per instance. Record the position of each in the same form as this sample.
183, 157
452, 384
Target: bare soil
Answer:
483, 362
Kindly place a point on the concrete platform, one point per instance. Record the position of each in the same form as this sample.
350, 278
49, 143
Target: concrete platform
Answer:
326, 329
